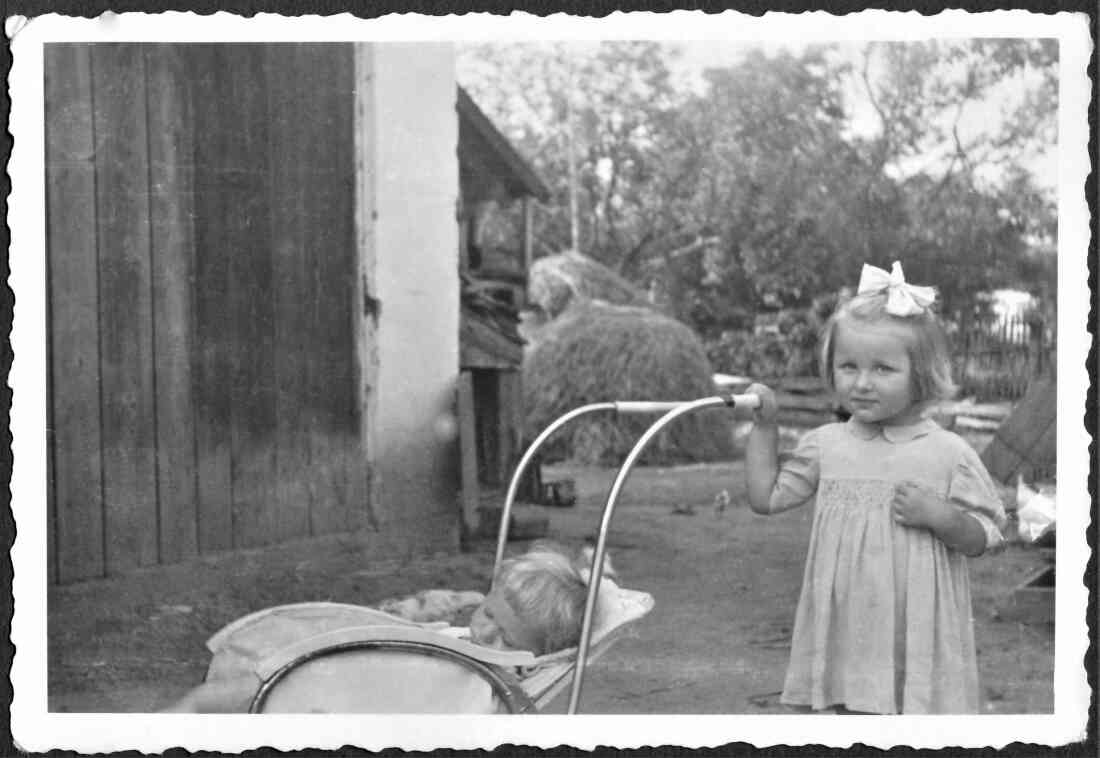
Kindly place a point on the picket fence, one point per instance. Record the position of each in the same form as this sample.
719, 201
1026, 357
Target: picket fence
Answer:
999, 359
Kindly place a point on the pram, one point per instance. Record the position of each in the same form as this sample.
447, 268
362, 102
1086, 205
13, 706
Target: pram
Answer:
342, 658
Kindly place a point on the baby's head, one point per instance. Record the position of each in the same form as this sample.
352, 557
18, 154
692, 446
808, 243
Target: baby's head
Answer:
922, 334
536, 603
580, 553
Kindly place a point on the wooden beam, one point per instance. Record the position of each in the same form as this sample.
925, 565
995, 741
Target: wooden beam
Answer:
528, 244
467, 438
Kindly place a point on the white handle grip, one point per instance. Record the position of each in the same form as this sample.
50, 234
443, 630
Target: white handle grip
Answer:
663, 406
745, 401
646, 406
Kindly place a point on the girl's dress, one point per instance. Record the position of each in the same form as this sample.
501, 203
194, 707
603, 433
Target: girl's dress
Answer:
884, 620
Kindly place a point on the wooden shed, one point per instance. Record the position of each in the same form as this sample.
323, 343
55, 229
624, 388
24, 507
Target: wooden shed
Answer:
253, 297
494, 289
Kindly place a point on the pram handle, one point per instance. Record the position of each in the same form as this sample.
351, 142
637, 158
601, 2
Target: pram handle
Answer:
622, 406
596, 575
671, 410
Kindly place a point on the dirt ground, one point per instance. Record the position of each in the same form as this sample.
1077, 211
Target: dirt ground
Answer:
725, 585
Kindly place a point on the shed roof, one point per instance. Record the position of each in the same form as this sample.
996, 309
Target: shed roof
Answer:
479, 141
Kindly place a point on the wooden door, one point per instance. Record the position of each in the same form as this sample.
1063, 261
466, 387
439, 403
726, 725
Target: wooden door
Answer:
201, 259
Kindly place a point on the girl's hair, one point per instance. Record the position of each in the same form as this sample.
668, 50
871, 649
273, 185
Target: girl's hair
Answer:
548, 593
929, 351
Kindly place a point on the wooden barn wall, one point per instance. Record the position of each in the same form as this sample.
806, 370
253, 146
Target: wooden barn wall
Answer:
201, 255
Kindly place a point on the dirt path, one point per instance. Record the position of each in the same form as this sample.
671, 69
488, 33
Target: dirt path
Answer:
725, 586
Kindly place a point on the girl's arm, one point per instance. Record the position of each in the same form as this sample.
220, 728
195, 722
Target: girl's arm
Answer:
917, 506
762, 450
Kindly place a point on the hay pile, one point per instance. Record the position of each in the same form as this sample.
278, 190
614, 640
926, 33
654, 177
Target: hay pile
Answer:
557, 280
596, 351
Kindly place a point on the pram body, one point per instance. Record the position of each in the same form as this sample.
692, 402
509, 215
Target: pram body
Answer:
341, 658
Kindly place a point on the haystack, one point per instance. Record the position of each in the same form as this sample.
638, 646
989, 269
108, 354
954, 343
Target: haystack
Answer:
596, 351
557, 280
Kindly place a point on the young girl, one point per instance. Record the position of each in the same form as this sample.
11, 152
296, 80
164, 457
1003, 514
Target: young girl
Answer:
883, 622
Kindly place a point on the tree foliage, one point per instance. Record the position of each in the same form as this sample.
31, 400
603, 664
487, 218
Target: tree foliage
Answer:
769, 182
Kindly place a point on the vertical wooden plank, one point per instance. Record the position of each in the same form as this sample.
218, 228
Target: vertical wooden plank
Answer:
330, 239
248, 243
504, 426
528, 245
467, 441
172, 241
288, 132
77, 503
213, 349
488, 423
122, 207
510, 405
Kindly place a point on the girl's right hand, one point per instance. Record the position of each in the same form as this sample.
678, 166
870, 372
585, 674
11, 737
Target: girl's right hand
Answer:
769, 408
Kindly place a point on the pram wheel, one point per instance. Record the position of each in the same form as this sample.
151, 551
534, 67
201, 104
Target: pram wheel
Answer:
388, 676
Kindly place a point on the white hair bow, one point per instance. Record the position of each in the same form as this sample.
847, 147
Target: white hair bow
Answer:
902, 299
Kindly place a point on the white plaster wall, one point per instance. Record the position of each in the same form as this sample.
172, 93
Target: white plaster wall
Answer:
412, 167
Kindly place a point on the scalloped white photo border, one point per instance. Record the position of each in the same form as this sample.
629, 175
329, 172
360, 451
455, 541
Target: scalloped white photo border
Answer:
35, 729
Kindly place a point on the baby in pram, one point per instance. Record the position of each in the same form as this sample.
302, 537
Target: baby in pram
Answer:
536, 604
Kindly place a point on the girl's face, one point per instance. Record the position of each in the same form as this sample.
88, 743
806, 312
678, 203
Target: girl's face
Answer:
872, 371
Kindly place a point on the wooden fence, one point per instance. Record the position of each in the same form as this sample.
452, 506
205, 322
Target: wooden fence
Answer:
998, 359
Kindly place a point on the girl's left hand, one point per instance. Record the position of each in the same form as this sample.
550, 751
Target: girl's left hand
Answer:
918, 506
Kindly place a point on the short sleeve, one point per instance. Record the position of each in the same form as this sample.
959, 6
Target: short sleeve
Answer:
799, 472
972, 489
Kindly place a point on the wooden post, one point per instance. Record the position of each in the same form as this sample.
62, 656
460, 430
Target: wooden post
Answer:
467, 439
507, 402
528, 243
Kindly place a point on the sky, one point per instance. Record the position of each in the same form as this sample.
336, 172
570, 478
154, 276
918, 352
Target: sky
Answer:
697, 55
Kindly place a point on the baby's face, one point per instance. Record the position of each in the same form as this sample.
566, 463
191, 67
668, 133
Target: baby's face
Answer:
484, 629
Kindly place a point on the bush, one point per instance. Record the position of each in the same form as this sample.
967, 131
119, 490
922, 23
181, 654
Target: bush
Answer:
768, 355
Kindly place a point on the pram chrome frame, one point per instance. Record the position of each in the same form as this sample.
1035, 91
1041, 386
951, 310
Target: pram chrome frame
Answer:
512, 697
671, 410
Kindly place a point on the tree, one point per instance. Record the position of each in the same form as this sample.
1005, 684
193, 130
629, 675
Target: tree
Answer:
768, 185
976, 220
634, 170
